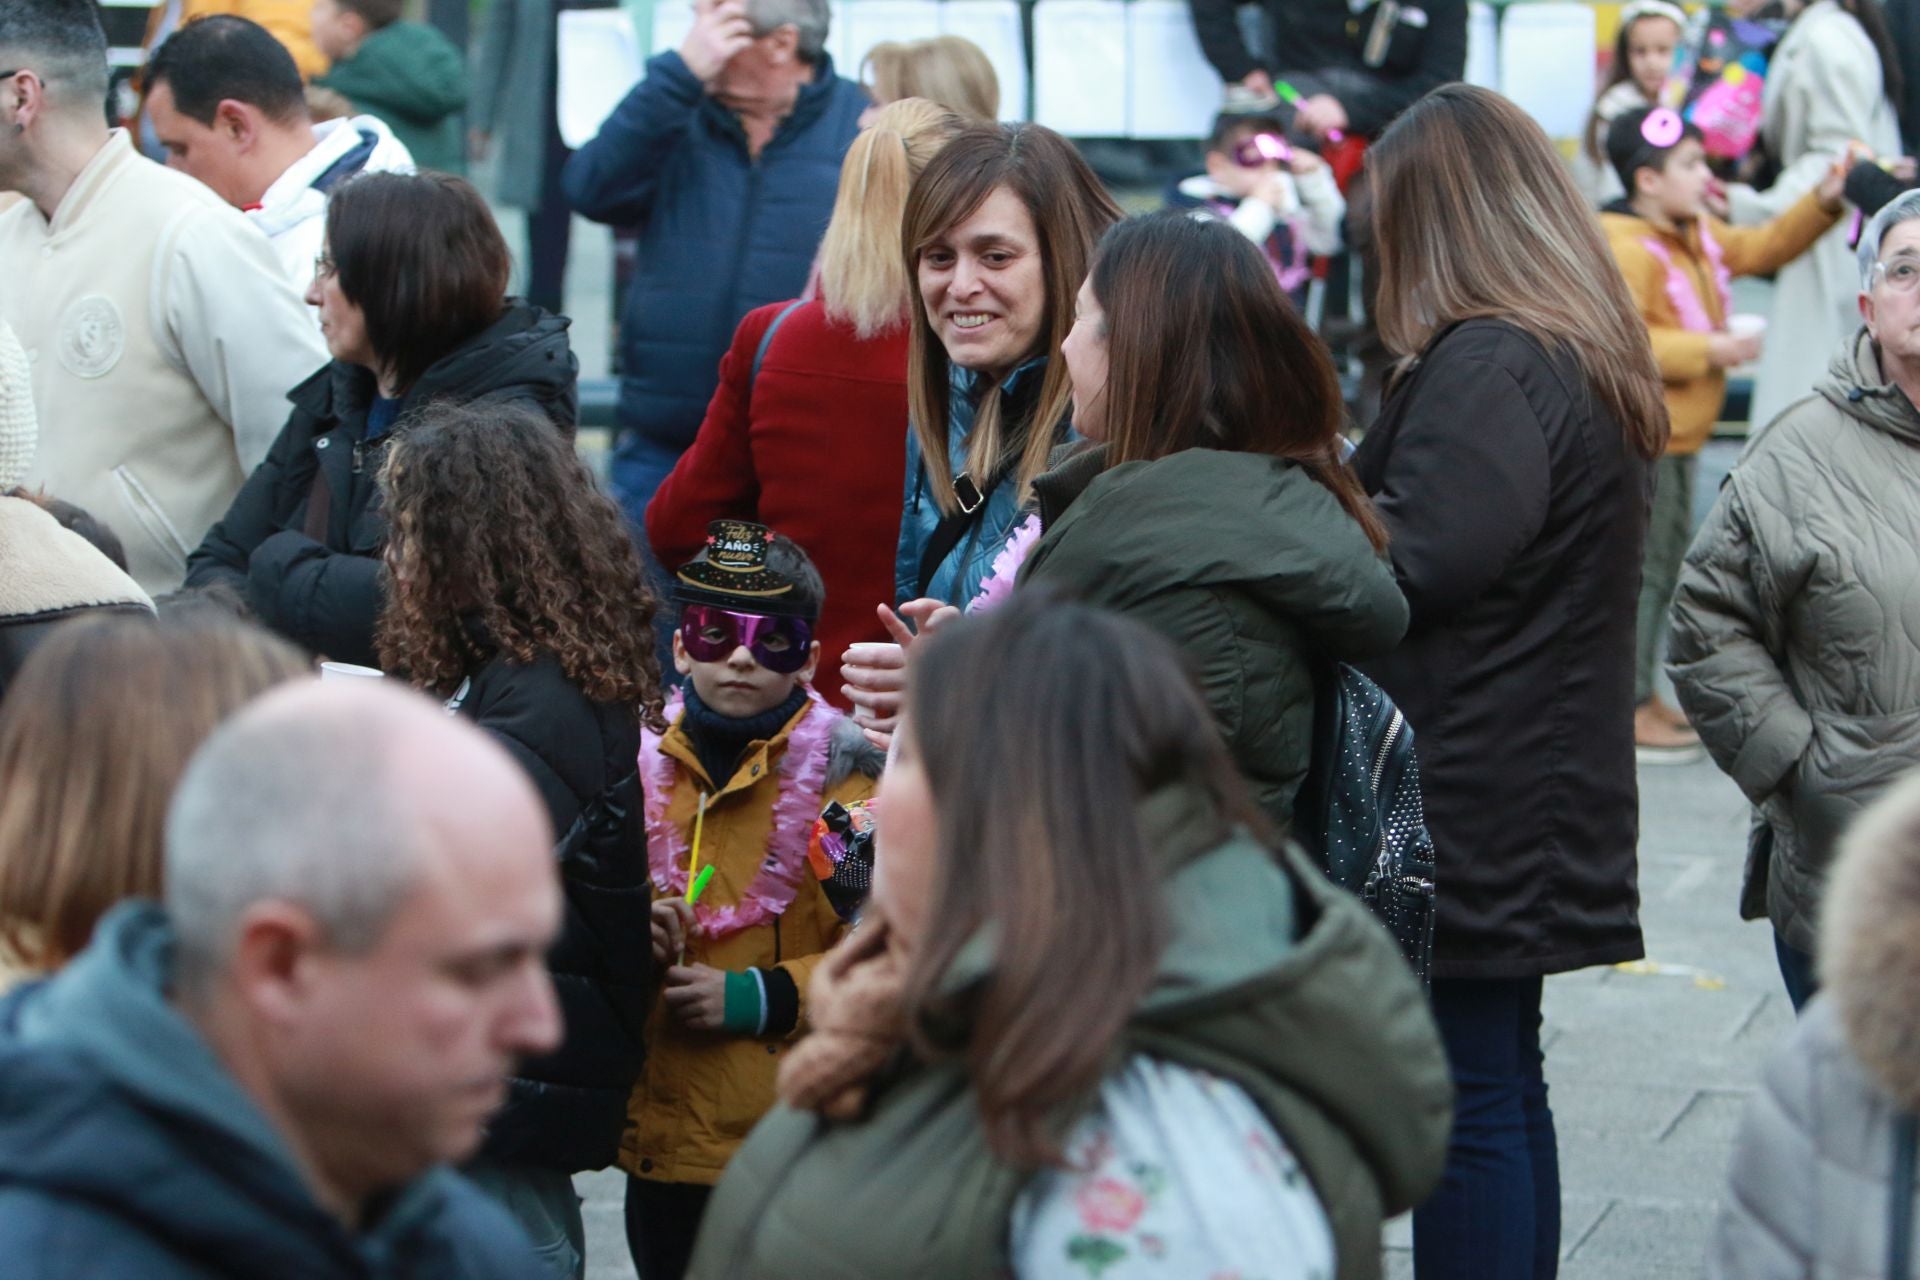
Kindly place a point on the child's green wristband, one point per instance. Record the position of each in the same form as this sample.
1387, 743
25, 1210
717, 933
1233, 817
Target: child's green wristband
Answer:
744, 1012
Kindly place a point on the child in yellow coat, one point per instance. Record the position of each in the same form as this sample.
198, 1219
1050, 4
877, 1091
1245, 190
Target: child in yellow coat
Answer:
1677, 260
733, 790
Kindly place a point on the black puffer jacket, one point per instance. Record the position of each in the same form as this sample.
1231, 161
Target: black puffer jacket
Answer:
567, 1110
319, 580
1517, 514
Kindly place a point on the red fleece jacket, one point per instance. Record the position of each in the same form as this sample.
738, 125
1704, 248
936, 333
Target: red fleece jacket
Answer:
814, 449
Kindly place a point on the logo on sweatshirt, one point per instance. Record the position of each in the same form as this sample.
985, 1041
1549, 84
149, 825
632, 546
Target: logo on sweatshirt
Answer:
92, 337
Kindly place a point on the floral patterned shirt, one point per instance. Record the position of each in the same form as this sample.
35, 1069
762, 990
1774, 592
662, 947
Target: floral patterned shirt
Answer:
1173, 1173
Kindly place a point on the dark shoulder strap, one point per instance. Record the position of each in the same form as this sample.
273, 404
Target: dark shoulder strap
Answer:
1906, 1145
766, 340
953, 527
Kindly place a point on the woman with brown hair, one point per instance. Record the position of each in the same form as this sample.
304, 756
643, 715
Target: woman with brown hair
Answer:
999, 229
1213, 504
1091, 1012
412, 296
1512, 464
810, 384
998, 232
93, 736
517, 595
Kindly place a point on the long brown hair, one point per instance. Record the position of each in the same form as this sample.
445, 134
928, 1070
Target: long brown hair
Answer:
94, 734
1040, 843
501, 543
1476, 217
1204, 351
863, 283
1069, 209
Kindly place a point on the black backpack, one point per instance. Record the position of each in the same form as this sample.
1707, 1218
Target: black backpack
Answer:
1360, 812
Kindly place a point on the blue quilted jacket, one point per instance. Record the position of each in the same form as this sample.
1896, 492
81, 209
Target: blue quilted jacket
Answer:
720, 233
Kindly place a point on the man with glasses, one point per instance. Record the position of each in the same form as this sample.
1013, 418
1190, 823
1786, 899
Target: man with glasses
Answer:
162, 334
1796, 625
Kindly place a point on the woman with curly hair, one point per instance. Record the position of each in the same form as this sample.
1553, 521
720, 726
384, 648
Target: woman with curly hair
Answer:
518, 597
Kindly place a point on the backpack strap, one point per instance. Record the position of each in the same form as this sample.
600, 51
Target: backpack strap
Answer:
766, 340
1906, 1146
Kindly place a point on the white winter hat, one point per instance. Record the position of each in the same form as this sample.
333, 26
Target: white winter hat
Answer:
18, 428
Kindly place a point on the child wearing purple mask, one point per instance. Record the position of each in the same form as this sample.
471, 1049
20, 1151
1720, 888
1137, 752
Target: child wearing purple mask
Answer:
732, 792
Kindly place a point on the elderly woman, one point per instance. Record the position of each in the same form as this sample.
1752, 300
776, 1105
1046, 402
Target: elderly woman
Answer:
1793, 644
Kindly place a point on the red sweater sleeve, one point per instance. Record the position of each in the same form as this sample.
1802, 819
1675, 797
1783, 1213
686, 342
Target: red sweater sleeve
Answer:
714, 478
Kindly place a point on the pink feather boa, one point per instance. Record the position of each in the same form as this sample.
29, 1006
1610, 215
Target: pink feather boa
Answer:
802, 779
1006, 567
1680, 291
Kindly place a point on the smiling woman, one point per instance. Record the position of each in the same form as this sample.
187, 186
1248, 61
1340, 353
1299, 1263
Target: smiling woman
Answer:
998, 231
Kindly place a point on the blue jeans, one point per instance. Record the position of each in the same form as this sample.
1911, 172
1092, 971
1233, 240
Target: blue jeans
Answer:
635, 472
1796, 970
1496, 1215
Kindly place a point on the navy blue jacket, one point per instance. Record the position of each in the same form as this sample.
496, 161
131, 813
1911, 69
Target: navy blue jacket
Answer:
128, 1153
721, 233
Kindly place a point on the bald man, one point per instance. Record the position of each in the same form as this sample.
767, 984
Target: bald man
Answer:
267, 1076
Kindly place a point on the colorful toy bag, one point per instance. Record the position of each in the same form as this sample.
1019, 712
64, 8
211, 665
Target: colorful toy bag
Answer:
1719, 78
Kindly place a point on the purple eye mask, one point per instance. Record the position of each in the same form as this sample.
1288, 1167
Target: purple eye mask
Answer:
778, 644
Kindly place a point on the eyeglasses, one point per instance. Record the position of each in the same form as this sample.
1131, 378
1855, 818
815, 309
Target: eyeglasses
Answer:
324, 267
711, 634
1902, 275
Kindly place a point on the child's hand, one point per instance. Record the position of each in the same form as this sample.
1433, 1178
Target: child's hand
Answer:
1729, 351
1304, 162
1833, 187
697, 996
1276, 191
673, 924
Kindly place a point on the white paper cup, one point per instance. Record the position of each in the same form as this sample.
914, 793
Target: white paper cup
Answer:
1746, 325
347, 671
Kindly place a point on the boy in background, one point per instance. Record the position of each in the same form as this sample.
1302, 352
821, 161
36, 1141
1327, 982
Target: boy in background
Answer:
406, 73
1678, 260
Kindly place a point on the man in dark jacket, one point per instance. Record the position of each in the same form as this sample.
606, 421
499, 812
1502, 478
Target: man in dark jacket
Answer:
264, 1078
1354, 70
317, 577
726, 157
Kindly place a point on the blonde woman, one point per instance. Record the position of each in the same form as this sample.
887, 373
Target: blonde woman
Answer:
804, 433
93, 736
949, 70
1512, 464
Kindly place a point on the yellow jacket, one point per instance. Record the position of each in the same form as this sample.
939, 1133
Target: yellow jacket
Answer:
1695, 390
290, 22
701, 1091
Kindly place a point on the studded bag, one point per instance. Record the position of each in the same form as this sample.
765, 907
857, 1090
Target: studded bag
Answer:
1360, 810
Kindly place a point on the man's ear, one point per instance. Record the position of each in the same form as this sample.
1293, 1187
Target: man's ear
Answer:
271, 967
1866, 314
236, 121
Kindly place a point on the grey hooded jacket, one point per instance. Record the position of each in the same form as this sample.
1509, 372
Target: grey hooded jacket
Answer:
1812, 1184
1796, 627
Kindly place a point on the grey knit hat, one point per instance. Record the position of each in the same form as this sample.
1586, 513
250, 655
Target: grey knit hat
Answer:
18, 428
1904, 207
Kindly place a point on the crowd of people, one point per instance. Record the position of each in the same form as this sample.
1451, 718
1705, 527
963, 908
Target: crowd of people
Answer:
880, 820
